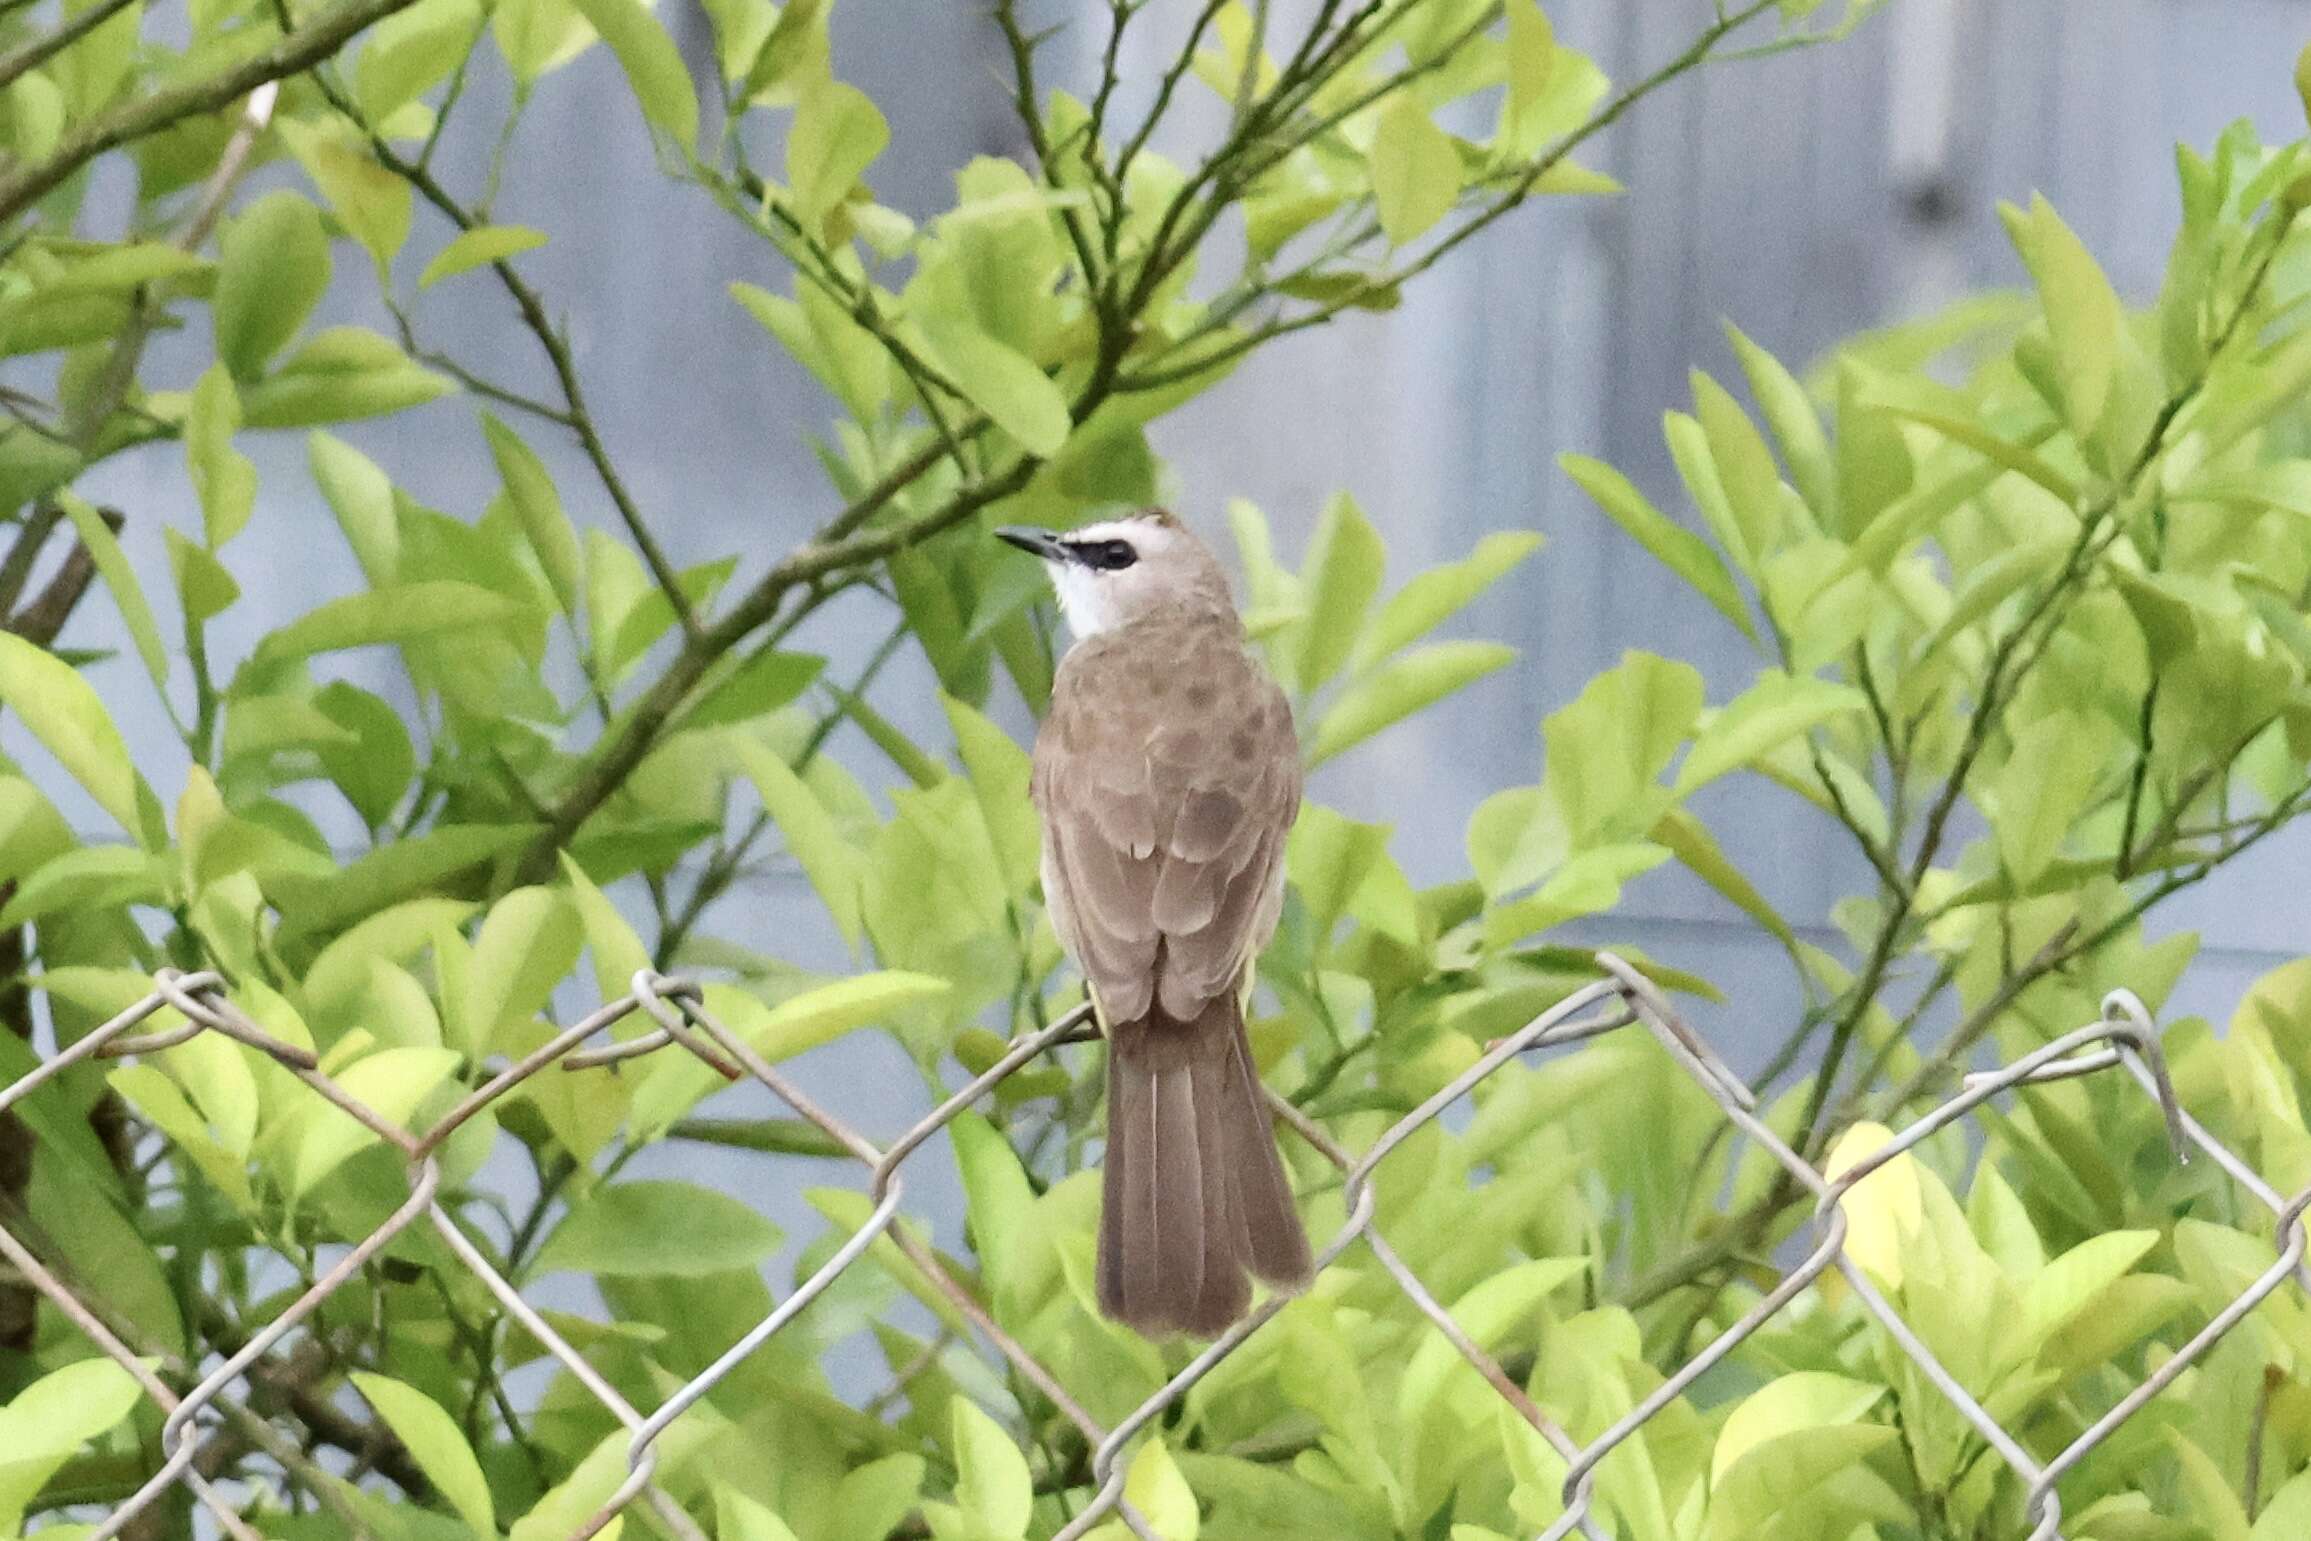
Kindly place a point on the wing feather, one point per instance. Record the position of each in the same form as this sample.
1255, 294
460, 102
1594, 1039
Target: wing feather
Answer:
1167, 774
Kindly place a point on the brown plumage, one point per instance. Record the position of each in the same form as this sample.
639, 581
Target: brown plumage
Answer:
1167, 775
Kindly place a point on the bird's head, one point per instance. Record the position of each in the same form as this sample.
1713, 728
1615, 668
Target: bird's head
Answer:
1114, 572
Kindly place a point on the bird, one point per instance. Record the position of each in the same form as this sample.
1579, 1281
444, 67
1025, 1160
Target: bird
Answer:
1167, 775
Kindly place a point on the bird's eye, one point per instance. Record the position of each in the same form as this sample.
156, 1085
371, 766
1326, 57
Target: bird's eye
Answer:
1104, 555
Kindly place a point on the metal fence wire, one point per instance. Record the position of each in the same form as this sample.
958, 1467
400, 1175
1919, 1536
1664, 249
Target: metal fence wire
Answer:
2123, 1040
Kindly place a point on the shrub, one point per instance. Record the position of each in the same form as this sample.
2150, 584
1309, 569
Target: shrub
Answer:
2027, 584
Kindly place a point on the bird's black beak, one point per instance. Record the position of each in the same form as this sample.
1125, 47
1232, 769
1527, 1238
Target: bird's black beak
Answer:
1033, 541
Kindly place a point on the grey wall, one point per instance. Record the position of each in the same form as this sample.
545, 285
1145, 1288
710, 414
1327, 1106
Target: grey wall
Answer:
1801, 197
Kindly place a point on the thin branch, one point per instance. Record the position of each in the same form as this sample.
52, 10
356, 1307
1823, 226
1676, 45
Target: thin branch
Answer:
41, 49
579, 418
138, 116
815, 560
1698, 52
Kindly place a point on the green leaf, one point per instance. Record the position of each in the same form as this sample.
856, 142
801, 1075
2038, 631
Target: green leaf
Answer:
538, 36
50, 1420
822, 1015
372, 203
653, 66
992, 1484
837, 133
1002, 382
1327, 857
568, 1504
404, 869
539, 506
32, 465
396, 613
1689, 840
1416, 172
617, 952
1810, 1399
1345, 561
874, 1499
68, 716
1602, 752
739, 1518
431, 1437
1440, 593
1777, 1474
273, 267
394, 934
120, 578
1152, 1484
406, 55
999, 1197
832, 864
376, 768
2083, 313
1675, 547
2070, 1283
222, 476
1401, 687
478, 246
320, 1136
1778, 708
362, 499
344, 373
1949, 415
89, 877
1486, 1313
999, 772
658, 1229
529, 941
2213, 1502
847, 359
158, 1102
2044, 786
1803, 444
1745, 469
2288, 1514
1588, 883
1532, 56
204, 586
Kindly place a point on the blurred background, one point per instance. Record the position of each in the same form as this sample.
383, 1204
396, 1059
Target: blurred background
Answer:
1801, 197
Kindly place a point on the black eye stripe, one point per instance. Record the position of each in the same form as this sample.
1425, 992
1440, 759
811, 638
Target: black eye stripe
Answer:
1105, 555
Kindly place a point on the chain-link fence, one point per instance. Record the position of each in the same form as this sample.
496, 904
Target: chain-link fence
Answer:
2123, 1041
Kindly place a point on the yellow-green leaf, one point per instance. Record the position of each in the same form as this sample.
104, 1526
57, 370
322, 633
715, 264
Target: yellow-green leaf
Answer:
1416, 172
65, 713
653, 66
1402, 686
396, 613
837, 133
1881, 1210
480, 245
1672, 545
223, 477
1007, 385
431, 1437
831, 863
127, 595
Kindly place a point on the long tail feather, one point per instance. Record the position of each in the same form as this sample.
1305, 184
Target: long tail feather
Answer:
1196, 1198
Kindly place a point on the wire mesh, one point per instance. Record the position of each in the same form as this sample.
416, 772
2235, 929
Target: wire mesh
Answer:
2123, 1040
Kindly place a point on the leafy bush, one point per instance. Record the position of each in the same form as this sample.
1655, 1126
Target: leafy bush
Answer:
2035, 640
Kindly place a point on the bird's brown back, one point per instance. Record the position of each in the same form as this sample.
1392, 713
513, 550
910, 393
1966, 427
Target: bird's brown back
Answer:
1168, 775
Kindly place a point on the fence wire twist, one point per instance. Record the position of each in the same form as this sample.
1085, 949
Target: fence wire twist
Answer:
2123, 1040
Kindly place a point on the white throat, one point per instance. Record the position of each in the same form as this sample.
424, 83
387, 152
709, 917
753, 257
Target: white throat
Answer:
1083, 599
